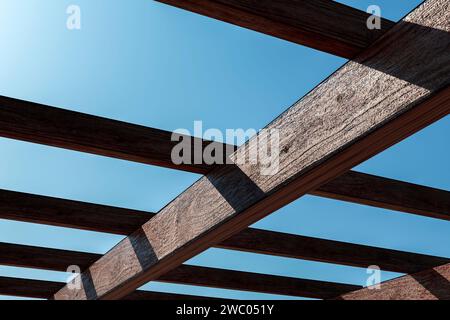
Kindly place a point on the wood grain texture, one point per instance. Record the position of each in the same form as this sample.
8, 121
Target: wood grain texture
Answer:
40, 289
37, 123
381, 97
433, 284
59, 260
320, 24
343, 253
81, 215
388, 194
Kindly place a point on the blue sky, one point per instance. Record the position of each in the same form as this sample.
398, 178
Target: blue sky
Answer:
148, 63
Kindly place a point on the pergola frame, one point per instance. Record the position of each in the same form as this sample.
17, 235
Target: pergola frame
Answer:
396, 83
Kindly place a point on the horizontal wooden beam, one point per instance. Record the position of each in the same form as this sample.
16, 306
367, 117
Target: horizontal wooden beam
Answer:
329, 251
388, 194
59, 260
68, 213
37, 123
381, 97
433, 284
81, 215
249, 281
320, 24
45, 289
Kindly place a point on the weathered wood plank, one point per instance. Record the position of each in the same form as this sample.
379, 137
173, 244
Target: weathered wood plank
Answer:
59, 260
321, 250
37, 123
320, 24
388, 194
41, 289
386, 94
81, 215
433, 284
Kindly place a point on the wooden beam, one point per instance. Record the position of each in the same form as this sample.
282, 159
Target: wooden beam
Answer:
81, 215
68, 213
40, 289
433, 284
320, 24
249, 281
37, 123
329, 251
386, 94
59, 260
388, 194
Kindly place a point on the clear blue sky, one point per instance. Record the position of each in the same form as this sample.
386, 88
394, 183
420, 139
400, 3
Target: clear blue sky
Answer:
148, 63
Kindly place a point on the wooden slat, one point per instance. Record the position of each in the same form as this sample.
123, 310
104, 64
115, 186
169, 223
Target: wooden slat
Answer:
433, 284
308, 248
67, 213
321, 24
389, 194
32, 122
249, 281
45, 289
383, 96
74, 214
59, 260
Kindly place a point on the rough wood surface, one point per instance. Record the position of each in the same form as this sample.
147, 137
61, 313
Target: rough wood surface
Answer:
59, 260
386, 94
33, 122
321, 24
433, 284
44, 290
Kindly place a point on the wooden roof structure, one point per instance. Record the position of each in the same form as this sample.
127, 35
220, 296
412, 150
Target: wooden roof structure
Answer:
395, 84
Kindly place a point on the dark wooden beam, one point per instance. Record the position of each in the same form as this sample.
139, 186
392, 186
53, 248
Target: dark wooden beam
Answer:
59, 260
45, 289
308, 248
380, 98
388, 194
81, 215
249, 281
37, 123
433, 284
320, 24
68, 213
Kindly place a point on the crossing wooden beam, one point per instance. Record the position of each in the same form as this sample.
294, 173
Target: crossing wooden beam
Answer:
41, 289
320, 24
38, 123
59, 260
101, 218
387, 193
382, 96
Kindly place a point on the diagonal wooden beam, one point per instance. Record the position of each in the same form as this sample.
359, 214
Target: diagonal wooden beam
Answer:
81, 215
37, 123
433, 284
381, 97
59, 260
320, 24
44, 290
